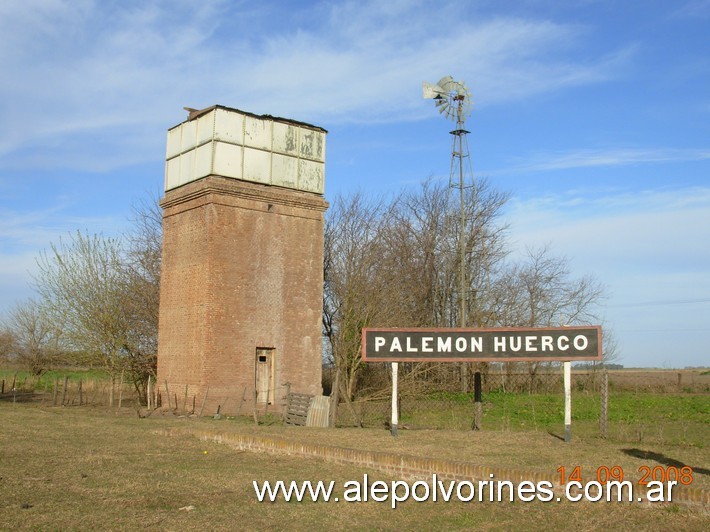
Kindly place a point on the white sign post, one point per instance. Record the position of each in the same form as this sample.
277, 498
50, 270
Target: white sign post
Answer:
497, 344
395, 416
568, 400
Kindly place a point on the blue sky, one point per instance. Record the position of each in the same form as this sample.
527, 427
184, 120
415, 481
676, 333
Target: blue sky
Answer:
594, 115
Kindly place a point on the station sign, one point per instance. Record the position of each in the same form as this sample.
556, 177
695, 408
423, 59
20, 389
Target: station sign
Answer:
482, 345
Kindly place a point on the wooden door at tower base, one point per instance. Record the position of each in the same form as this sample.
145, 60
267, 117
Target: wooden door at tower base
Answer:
264, 375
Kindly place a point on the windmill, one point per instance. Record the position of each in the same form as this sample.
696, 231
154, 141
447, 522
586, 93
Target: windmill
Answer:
453, 100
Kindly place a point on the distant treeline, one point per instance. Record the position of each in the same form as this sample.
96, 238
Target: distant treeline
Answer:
598, 366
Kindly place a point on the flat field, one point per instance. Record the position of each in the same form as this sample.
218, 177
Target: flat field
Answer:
93, 468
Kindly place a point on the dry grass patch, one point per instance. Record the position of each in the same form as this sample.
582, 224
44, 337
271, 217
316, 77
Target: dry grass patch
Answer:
534, 451
63, 468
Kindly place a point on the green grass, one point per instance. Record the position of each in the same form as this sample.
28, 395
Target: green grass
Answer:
674, 418
26, 381
623, 406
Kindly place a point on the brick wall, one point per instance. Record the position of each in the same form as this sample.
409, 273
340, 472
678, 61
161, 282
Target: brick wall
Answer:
242, 269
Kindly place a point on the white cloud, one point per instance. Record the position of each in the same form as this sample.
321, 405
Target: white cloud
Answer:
104, 74
36, 229
608, 157
693, 9
645, 230
648, 248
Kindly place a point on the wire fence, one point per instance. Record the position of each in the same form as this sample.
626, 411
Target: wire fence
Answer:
626, 405
67, 390
71, 389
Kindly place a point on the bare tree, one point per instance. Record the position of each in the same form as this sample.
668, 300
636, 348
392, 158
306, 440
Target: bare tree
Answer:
610, 347
422, 244
84, 289
354, 296
541, 292
548, 295
103, 293
394, 264
142, 271
424, 256
7, 344
417, 256
36, 339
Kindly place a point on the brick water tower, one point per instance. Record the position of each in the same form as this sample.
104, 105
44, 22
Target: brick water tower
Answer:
241, 291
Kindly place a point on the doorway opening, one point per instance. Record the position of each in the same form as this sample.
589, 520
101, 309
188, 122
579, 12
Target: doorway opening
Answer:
264, 375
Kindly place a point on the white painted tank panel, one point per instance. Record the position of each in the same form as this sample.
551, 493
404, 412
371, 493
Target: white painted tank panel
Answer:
237, 145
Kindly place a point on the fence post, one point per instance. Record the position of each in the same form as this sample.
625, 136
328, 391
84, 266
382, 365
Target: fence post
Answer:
241, 403
148, 394
477, 406
256, 415
120, 392
604, 396
81, 396
204, 399
395, 397
568, 400
334, 398
64, 391
167, 395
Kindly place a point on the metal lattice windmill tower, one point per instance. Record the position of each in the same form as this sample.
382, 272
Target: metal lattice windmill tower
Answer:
453, 100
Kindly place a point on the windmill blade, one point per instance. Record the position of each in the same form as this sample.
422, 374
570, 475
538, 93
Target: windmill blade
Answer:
467, 103
466, 108
449, 85
443, 105
431, 91
443, 82
448, 110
